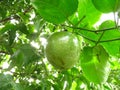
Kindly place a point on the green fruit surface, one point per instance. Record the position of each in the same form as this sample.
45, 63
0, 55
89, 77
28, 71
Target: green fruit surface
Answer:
106, 6
63, 50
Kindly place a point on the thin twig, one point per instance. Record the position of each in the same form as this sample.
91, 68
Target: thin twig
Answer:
102, 41
4, 52
116, 39
9, 18
16, 16
100, 38
27, 10
87, 38
80, 21
90, 30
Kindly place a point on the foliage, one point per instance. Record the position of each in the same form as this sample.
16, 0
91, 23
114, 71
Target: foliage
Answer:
25, 26
95, 58
106, 6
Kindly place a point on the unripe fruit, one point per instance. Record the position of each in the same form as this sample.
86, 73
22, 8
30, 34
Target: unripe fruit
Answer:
63, 50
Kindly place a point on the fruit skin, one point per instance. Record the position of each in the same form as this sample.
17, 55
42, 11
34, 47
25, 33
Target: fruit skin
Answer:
106, 6
63, 50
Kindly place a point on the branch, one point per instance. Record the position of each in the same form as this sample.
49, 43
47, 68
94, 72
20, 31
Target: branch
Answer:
16, 16
102, 41
9, 18
87, 38
116, 39
1, 68
6, 19
27, 10
4, 52
90, 30
100, 37
80, 20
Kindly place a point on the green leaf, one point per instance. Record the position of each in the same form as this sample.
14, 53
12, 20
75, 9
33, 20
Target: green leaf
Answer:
94, 64
106, 6
112, 47
7, 27
92, 15
25, 17
55, 11
3, 12
19, 86
39, 23
24, 55
5, 82
12, 35
91, 35
22, 27
74, 19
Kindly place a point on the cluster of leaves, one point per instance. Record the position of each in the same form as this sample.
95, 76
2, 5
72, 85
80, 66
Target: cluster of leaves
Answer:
24, 24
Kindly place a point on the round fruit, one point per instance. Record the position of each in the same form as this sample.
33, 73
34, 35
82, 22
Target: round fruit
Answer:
63, 50
106, 6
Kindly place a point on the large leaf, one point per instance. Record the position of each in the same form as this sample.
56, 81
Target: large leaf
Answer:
94, 63
24, 55
22, 27
5, 82
12, 35
112, 47
3, 12
7, 27
11, 29
91, 35
55, 11
106, 6
86, 8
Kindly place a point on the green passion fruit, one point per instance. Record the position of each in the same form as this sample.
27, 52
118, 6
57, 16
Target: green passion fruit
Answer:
63, 50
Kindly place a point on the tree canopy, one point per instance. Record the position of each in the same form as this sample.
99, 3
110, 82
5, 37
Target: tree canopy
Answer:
26, 25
